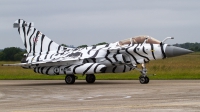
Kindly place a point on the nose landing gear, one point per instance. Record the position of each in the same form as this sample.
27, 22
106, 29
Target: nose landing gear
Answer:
144, 79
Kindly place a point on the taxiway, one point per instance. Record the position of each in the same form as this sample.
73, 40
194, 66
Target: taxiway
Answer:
103, 95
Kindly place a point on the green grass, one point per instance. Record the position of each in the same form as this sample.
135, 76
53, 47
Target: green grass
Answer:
182, 67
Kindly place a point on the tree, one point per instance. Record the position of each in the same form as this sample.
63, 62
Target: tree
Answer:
18, 56
2, 56
81, 46
11, 54
192, 46
64, 45
102, 43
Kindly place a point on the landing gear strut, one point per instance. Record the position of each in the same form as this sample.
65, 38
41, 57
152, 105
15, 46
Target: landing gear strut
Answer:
90, 78
70, 79
143, 77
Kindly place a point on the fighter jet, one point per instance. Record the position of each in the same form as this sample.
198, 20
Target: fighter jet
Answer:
45, 56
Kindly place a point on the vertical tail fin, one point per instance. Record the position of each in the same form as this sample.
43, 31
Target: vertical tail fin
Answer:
34, 41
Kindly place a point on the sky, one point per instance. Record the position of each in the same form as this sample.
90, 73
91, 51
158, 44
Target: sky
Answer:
88, 22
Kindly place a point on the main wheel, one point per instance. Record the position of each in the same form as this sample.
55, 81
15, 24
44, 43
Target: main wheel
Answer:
70, 79
90, 78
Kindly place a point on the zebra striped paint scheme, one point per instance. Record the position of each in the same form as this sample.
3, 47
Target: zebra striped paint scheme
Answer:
47, 57
71, 69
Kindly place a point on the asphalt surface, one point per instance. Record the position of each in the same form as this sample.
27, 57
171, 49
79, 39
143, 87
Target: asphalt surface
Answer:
103, 96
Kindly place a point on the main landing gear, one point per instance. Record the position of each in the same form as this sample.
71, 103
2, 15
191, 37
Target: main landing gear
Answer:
70, 79
90, 78
143, 77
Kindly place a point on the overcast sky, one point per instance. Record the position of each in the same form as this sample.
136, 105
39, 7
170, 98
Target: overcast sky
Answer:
78, 22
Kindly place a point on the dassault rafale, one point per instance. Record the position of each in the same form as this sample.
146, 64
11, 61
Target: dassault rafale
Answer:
45, 56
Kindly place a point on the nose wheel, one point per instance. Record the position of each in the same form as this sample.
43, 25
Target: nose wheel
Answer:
144, 80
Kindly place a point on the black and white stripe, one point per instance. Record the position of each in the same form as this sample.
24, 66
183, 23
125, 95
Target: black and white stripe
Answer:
135, 50
88, 68
34, 41
131, 55
152, 51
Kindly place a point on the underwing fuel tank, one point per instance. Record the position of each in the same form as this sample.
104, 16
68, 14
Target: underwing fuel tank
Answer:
87, 68
172, 51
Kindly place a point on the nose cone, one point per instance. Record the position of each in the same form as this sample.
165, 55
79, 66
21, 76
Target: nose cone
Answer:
172, 51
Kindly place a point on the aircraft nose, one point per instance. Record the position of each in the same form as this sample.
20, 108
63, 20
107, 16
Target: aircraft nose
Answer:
172, 51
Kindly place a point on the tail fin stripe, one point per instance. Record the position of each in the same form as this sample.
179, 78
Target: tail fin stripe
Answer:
24, 30
49, 46
48, 50
38, 32
42, 42
30, 41
58, 48
35, 42
19, 28
34, 48
29, 28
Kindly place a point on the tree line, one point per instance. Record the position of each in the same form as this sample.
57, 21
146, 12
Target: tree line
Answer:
16, 54
191, 46
12, 54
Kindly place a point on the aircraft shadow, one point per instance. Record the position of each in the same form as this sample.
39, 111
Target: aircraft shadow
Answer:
76, 83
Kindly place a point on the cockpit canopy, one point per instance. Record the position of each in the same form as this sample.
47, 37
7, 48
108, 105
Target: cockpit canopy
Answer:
138, 40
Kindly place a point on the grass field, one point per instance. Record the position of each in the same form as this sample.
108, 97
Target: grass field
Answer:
182, 67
